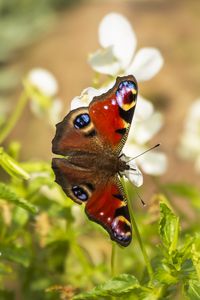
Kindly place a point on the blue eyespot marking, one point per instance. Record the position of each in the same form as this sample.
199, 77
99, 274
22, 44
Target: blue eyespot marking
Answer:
81, 121
124, 93
79, 193
126, 84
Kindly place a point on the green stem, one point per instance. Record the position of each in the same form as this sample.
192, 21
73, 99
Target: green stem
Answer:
113, 259
81, 257
138, 236
10, 124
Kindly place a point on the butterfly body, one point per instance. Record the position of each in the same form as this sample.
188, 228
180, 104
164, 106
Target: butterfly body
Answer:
91, 139
103, 162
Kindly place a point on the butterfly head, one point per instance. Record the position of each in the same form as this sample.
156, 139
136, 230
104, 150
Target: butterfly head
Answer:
122, 164
129, 169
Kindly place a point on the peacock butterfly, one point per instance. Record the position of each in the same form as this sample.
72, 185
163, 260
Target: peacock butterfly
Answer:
91, 139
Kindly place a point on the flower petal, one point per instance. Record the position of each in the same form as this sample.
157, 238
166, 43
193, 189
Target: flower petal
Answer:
192, 123
55, 111
86, 97
134, 175
144, 109
116, 31
153, 163
142, 132
194, 111
190, 145
44, 81
103, 61
77, 102
146, 64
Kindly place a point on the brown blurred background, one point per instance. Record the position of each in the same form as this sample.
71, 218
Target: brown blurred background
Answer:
172, 26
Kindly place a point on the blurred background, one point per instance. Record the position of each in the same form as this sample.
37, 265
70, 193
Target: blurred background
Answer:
59, 35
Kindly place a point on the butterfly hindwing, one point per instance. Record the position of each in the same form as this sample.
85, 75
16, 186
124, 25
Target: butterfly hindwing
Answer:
77, 183
112, 112
107, 206
104, 198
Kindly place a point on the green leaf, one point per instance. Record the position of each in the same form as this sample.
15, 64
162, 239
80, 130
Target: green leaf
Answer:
7, 194
196, 259
36, 166
15, 254
168, 228
5, 269
11, 166
116, 286
185, 190
14, 150
163, 275
193, 290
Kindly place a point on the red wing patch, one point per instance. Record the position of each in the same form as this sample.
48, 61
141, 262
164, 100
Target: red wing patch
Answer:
104, 198
108, 207
112, 112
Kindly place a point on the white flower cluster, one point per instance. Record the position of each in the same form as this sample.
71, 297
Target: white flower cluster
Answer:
190, 141
118, 57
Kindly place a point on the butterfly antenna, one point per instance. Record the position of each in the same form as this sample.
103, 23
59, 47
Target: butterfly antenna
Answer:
142, 201
157, 145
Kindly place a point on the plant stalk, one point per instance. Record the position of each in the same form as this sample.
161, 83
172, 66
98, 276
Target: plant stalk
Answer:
113, 260
138, 236
10, 124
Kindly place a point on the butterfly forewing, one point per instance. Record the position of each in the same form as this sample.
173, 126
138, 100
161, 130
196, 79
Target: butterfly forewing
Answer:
112, 112
76, 134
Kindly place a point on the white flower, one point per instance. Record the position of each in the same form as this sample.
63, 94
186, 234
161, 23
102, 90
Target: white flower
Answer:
146, 123
55, 111
44, 81
141, 132
152, 163
41, 87
190, 141
86, 97
118, 57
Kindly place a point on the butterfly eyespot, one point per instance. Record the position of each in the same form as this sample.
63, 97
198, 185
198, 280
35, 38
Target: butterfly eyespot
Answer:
126, 84
126, 94
79, 193
121, 230
81, 121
